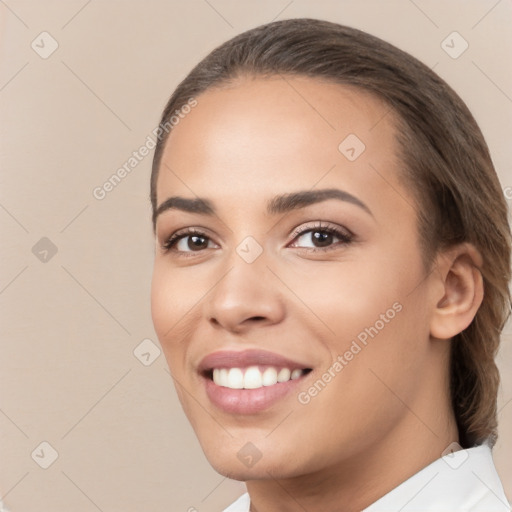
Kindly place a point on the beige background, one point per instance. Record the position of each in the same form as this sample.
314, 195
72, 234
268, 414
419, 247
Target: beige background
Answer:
69, 325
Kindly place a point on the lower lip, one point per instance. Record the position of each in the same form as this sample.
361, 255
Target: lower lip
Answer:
249, 401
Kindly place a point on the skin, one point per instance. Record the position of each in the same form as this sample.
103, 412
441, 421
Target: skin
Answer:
387, 414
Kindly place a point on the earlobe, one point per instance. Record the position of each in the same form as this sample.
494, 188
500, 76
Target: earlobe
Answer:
462, 285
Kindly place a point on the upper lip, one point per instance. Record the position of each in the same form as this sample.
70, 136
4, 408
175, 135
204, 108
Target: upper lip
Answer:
244, 358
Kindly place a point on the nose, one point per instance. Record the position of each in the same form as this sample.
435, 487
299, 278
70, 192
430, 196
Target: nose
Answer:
248, 295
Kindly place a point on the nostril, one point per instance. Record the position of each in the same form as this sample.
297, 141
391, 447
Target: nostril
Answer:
235, 324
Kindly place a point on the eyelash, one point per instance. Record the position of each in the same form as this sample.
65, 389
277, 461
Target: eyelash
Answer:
168, 245
344, 235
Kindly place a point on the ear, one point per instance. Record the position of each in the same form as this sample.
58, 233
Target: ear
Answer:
460, 291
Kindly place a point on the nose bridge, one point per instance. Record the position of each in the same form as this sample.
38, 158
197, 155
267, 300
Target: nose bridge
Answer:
245, 290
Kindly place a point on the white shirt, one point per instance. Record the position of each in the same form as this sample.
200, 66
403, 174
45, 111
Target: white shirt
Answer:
465, 480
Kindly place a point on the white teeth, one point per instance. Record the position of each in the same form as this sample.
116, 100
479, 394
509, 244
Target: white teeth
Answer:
235, 379
283, 375
269, 377
296, 374
223, 377
253, 377
220, 376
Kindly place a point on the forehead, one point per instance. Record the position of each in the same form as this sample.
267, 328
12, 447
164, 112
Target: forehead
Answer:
276, 133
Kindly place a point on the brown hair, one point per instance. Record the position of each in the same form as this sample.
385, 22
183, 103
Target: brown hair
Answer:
446, 164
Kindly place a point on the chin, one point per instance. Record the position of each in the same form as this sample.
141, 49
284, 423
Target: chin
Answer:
260, 471
238, 465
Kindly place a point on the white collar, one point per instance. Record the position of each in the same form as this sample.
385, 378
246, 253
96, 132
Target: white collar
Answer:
464, 481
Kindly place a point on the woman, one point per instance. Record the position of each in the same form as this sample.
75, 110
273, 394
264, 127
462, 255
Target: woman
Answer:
331, 274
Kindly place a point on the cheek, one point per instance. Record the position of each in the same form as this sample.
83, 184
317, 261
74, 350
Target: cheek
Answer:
380, 341
359, 389
161, 300
172, 299
368, 314
348, 297
174, 292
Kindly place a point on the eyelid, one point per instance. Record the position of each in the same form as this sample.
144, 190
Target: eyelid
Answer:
342, 231
168, 243
345, 235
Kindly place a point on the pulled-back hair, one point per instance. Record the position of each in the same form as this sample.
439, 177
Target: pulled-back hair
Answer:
445, 163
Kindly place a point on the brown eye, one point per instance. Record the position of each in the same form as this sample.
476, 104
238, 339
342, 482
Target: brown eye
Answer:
322, 238
187, 242
196, 242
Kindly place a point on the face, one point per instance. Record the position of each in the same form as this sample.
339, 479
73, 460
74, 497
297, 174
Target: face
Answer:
288, 291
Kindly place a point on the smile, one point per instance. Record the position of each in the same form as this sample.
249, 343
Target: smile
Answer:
254, 377
249, 381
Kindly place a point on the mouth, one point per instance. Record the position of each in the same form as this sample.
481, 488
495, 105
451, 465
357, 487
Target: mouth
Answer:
254, 377
250, 381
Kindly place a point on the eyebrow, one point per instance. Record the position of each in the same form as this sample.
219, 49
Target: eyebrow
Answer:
277, 205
